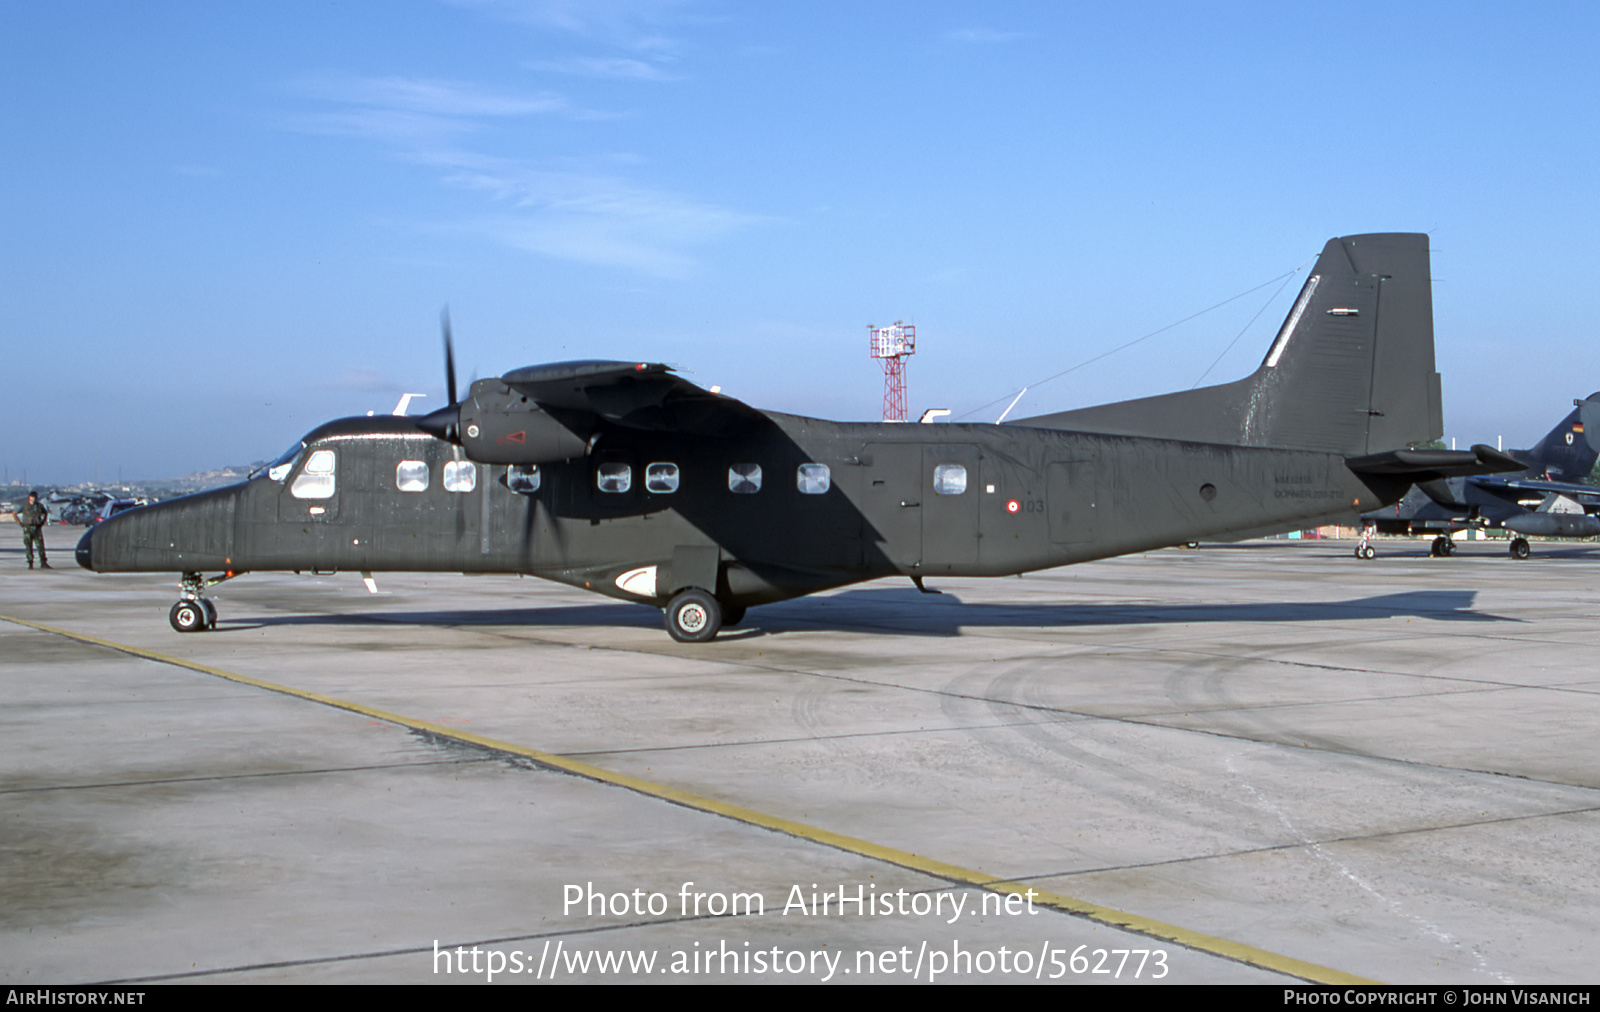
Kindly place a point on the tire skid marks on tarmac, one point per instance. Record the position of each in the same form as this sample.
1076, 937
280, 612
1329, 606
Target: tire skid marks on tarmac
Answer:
1322, 854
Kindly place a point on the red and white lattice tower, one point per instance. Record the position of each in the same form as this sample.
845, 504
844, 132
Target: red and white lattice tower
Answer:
894, 344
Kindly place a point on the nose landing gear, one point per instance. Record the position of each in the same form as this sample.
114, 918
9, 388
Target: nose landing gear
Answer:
194, 613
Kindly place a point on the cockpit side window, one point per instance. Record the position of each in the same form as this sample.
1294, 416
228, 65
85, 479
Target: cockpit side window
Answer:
316, 481
279, 469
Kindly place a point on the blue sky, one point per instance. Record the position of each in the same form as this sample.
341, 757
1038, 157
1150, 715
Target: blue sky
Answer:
227, 222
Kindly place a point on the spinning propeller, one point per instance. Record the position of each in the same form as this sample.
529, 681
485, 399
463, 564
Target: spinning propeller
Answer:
446, 422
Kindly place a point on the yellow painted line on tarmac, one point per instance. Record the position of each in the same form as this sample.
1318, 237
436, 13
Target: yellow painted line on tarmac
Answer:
1236, 951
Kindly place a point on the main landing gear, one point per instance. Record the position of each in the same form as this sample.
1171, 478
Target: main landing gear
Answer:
696, 616
194, 613
1520, 549
1442, 548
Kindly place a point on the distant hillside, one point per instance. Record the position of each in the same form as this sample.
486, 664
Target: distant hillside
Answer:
154, 488
202, 480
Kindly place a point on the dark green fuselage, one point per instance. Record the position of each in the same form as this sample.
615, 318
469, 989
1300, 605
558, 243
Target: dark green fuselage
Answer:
1028, 499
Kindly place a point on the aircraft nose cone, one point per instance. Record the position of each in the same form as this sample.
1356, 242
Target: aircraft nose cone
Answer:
85, 552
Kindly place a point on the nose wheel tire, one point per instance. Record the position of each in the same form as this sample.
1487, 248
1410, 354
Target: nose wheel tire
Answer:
693, 616
188, 616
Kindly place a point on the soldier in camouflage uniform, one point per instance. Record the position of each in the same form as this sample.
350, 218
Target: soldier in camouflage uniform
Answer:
33, 516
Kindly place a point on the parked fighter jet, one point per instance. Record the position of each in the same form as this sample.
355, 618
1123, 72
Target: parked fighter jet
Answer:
1544, 497
625, 479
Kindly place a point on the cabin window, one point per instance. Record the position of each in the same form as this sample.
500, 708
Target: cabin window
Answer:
813, 479
615, 478
949, 479
523, 478
411, 476
460, 476
316, 481
661, 478
745, 479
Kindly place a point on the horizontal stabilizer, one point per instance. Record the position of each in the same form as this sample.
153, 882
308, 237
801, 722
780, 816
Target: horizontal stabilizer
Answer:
1430, 465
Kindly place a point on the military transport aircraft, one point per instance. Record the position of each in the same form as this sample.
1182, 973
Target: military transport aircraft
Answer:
1543, 497
625, 479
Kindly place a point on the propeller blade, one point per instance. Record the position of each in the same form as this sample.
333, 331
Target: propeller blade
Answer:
449, 355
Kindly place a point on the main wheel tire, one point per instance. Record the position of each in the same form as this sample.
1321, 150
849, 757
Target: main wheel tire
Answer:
1439, 550
1448, 548
693, 616
187, 616
1520, 549
211, 612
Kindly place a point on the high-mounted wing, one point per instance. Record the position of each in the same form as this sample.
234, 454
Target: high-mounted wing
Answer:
642, 395
544, 413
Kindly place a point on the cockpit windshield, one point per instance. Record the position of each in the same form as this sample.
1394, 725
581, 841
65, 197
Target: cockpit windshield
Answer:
279, 469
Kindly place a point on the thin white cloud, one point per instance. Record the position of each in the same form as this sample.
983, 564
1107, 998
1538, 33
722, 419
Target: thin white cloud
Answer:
600, 219
589, 217
429, 97
632, 24
982, 36
415, 114
621, 67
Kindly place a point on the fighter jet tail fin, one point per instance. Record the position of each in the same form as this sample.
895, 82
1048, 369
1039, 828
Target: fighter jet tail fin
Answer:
1569, 451
1351, 370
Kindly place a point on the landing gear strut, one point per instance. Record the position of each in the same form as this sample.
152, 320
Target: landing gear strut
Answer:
194, 613
1365, 549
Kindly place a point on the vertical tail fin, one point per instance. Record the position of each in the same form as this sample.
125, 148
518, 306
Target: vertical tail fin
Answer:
1570, 449
1351, 370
